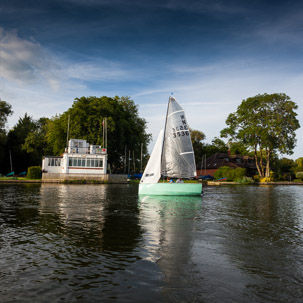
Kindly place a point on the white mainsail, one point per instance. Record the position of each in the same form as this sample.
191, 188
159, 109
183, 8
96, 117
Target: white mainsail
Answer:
173, 154
178, 158
152, 172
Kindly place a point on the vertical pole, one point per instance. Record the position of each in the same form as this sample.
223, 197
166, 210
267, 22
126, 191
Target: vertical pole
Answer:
10, 158
125, 159
205, 164
128, 161
141, 158
106, 133
67, 134
103, 145
134, 163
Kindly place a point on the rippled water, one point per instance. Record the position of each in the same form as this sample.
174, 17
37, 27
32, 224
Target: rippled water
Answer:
93, 243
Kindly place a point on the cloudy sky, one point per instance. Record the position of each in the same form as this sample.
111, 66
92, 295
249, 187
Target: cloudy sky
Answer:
210, 54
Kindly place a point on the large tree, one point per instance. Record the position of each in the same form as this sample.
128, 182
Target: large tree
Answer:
5, 111
125, 129
196, 138
266, 124
35, 143
16, 137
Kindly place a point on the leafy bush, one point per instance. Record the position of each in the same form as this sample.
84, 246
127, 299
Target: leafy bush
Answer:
256, 178
230, 173
222, 172
299, 175
245, 180
265, 180
34, 172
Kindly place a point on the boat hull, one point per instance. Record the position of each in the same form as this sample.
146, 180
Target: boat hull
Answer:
170, 189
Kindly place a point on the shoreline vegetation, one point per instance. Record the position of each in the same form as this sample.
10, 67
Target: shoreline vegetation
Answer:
210, 183
262, 128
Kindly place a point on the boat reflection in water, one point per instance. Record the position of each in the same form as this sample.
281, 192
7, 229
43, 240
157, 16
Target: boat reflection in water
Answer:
169, 222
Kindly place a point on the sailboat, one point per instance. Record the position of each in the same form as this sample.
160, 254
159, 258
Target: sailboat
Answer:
172, 157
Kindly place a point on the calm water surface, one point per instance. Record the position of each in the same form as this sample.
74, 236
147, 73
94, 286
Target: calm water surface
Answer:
93, 243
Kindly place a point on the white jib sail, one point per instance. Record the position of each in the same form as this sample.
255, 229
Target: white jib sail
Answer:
178, 155
152, 172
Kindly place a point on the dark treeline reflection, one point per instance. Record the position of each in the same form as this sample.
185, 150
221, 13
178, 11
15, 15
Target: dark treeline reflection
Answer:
91, 216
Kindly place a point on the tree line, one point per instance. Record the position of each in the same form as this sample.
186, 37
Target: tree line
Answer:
262, 126
29, 140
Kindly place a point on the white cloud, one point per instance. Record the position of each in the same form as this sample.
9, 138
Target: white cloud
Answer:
27, 62
209, 97
41, 83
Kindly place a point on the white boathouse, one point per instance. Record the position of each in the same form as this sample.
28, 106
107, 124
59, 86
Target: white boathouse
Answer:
80, 161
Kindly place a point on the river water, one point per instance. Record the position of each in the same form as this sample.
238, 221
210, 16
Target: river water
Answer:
103, 243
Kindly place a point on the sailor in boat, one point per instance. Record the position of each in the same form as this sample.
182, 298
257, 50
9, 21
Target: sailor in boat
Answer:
179, 180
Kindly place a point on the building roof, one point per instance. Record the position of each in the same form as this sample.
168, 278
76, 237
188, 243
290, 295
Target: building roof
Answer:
224, 159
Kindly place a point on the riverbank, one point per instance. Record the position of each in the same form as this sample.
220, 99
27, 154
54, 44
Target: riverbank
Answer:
214, 183
113, 180
19, 181
106, 179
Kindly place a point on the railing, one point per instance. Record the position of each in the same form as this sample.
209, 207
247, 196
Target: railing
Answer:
78, 150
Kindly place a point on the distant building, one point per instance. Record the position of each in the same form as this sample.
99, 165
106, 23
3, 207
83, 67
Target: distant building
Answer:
79, 161
218, 160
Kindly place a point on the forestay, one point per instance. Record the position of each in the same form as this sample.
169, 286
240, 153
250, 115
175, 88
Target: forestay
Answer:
178, 156
152, 172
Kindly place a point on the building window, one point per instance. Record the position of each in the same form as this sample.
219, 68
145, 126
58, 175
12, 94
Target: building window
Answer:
85, 162
54, 162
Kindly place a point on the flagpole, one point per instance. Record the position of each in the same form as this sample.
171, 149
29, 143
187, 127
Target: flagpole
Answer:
67, 134
103, 134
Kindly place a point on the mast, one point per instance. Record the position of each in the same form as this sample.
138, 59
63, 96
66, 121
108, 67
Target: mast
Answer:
67, 134
169, 99
10, 158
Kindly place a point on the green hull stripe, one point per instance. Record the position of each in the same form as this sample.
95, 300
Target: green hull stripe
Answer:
170, 189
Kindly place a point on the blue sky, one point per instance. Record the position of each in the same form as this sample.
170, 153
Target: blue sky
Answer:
210, 54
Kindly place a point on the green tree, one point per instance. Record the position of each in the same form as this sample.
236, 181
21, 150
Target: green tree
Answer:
5, 112
238, 148
298, 165
266, 124
196, 138
125, 129
282, 167
217, 146
16, 138
35, 143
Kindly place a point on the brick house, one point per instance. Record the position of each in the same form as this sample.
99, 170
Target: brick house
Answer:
218, 160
